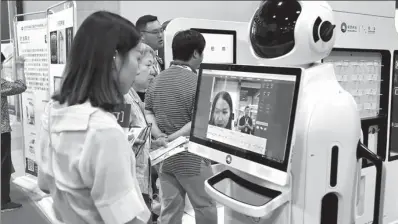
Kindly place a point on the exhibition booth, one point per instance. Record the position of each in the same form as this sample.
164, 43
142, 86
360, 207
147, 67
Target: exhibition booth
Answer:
324, 145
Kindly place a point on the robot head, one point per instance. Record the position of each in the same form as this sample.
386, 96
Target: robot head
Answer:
290, 32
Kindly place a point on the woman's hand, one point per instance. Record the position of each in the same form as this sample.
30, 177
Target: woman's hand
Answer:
163, 135
158, 143
137, 141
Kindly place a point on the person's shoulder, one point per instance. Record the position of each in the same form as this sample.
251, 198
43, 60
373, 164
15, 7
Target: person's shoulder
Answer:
189, 75
105, 133
102, 121
177, 71
175, 75
168, 70
102, 132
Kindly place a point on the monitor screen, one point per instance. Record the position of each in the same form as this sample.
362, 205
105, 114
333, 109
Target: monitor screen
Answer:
220, 46
245, 113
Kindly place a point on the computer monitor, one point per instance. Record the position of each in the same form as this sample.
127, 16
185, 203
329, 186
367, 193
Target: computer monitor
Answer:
220, 46
244, 116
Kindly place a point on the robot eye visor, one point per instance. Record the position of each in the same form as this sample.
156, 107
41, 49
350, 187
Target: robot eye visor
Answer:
273, 26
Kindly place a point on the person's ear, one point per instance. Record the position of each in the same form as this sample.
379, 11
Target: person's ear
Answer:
195, 54
117, 62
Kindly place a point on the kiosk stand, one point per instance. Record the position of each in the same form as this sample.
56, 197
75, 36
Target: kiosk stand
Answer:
296, 166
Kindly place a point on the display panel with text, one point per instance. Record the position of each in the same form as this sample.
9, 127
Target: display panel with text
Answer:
247, 114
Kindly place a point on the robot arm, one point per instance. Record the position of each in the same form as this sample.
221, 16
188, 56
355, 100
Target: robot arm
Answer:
363, 152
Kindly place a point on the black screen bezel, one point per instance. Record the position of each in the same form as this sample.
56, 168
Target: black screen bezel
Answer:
227, 32
395, 57
251, 156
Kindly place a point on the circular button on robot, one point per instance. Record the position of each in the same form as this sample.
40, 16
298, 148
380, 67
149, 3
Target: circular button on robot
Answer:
326, 31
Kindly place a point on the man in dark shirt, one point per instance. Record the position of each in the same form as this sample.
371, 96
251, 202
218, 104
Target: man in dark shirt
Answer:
246, 122
169, 106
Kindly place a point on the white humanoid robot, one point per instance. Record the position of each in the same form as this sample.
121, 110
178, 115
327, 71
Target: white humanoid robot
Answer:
316, 180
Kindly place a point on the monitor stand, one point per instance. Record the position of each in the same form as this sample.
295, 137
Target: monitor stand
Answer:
247, 199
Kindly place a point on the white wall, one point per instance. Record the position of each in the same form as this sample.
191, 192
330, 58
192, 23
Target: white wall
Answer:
240, 11
83, 8
36, 6
376, 8
86, 8
396, 20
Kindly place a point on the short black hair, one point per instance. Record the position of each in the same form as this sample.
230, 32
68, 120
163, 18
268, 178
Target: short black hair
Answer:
2, 58
144, 20
185, 43
247, 107
88, 74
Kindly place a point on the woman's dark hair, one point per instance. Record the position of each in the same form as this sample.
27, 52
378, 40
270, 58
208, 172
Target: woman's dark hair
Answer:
88, 73
185, 43
227, 97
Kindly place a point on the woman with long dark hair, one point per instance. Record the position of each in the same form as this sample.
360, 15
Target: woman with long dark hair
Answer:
222, 110
84, 157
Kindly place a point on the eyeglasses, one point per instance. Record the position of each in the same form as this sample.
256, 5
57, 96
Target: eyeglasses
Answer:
157, 31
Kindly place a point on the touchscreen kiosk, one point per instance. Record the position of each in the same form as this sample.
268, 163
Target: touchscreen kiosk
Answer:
244, 118
220, 46
217, 127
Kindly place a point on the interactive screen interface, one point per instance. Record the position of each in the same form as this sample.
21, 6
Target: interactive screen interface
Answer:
246, 114
220, 47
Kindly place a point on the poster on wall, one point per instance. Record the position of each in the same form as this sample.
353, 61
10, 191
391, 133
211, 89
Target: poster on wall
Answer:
31, 40
60, 28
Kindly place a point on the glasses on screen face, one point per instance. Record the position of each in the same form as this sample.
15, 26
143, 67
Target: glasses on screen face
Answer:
155, 32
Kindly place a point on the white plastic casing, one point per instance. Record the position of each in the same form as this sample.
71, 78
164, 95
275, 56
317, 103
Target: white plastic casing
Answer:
305, 51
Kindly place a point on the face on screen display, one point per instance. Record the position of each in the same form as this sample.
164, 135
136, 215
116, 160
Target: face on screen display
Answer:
221, 115
251, 115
